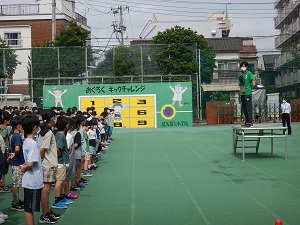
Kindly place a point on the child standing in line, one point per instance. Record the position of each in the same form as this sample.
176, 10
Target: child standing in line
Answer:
85, 172
48, 153
77, 146
3, 216
16, 159
71, 170
63, 159
92, 144
32, 181
4, 122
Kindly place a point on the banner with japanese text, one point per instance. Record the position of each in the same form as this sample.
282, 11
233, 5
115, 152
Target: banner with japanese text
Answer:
136, 105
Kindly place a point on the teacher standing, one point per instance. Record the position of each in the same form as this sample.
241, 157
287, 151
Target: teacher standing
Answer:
286, 112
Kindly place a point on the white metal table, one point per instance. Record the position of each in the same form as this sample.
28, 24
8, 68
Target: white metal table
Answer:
254, 134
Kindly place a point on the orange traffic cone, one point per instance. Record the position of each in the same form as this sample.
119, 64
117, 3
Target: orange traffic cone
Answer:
278, 222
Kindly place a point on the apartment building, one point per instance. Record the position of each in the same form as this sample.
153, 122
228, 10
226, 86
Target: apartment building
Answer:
288, 23
25, 25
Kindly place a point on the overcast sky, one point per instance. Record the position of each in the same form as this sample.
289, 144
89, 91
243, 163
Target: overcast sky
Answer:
251, 18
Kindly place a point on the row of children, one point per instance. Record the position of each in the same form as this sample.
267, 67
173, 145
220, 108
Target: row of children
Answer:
51, 150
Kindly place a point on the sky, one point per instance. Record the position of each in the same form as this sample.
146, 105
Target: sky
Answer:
249, 18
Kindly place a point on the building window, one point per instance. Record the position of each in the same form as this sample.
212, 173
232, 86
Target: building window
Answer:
228, 69
13, 38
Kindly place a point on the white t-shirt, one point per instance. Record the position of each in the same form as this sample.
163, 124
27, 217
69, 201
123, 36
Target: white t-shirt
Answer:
32, 178
92, 134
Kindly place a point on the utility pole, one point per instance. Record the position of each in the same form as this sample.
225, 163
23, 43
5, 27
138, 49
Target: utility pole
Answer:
53, 20
119, 26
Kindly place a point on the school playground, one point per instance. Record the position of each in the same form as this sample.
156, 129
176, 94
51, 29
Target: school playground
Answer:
185, 176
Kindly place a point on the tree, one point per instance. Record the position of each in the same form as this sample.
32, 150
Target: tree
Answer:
119, 61
66, 57
179, 54
10, 60
72, 55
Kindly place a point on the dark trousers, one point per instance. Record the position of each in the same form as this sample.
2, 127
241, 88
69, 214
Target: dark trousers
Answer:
286, 119
247, 107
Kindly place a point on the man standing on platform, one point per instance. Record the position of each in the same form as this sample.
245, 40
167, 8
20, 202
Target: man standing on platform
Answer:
286, 112
246, 83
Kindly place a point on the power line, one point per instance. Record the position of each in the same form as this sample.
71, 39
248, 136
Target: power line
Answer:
163, 9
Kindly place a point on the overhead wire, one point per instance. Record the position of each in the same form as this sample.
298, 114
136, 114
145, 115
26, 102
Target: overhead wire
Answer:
163, 9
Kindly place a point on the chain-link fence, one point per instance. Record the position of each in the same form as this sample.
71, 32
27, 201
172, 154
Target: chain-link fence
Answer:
144, 64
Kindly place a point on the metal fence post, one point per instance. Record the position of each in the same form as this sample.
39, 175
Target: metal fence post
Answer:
274, 113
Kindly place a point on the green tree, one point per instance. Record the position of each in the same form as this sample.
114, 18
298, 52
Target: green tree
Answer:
66, 57
268, 76
271, 89
119, 61
179, 54
10, 60
72, 55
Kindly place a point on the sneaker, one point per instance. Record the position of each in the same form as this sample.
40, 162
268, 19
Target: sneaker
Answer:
21, 202
71, 195
251, 125
53, 215
92, 168
75, 189
17, 207
105, 148
47, 219
83, 181
86, 174
79, 185
3, 216
66, 201
59, 205
5, 189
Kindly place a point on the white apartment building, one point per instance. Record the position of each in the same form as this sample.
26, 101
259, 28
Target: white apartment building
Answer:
288, 23
25, 25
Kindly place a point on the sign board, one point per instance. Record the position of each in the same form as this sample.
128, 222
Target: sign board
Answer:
142, 105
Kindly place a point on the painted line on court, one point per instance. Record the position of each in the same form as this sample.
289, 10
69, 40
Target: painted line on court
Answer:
199, 209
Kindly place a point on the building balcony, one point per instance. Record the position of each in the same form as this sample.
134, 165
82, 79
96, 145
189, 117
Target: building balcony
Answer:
19, 9
287, 34
81, 19
278, 3
33, 9
288, 79
285, 16
282, 59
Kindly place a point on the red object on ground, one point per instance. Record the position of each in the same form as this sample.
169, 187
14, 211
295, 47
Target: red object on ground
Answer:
278, 222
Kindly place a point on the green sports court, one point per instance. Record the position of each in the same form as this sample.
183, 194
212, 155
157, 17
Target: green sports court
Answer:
185, 176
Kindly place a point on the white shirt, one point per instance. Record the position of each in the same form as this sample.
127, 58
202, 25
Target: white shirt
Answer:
32, 178
92, 134
286, 107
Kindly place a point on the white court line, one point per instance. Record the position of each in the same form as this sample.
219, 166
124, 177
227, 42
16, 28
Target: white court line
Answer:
199, 209
132, 206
